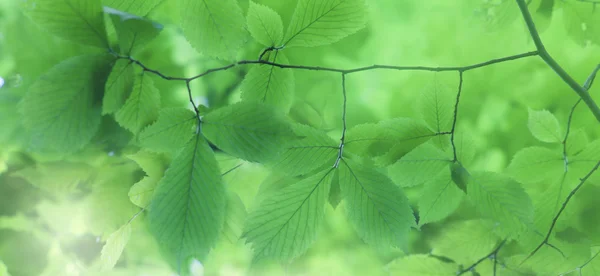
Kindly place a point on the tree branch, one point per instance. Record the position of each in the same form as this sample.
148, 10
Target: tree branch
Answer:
455, 117
343, 139
492, 254
543, 53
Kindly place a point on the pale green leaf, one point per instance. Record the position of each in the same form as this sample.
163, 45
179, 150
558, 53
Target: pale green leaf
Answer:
439, 199
172, 130
419, 165
502, 200
317, 22
118, 86
422, 265
465, 242
313, 150
534, 164
235, 216
270, 84
544, 126
59, 178
141, 108
436, 105
153, 165
590, 154
137, 7
577, 141
253, 132
134, 32
187, 212
264, 24
112, 250
216, 28
61, 109
378, 209
79, 21
285, 224
581, 21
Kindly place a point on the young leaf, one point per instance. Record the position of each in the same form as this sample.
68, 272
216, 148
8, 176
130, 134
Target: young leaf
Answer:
112, 250
439, 199
544, 126
502, 200
264, 24
141, 108
421, 265
419, 165
61, 108
285, 224
378, 209
313, 150
535, 164
316, 22
436, 105
215, 28
79, 21
134, 32
187, 211
173, 129
253, 132
269, 84
118, 86
465, 241
137, 7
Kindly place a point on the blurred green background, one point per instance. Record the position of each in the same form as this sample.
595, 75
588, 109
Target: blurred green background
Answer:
56, 211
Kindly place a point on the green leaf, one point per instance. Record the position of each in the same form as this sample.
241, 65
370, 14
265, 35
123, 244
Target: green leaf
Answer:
534, 164
253, 132
264, 24
187, 212
313, 150
419, 165
61, 108
60, 178
439, 199
419, 264
118, 86
112, 250
316, 23
576, 142
134, 32
235, 216
285, 224
137, 7
544, 126
3, 269
378, 209
436, 105
465, 242
141, 108
581, 21
502, 200
153, 165
216, 28
460, 176
79, 21
270, 84
173, 129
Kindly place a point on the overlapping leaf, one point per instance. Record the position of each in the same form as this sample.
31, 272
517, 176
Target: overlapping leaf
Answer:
286, 223
118, 86
235, 216
502, 200
137, 7
544, 126
134, 32
253, 132
436, 104
79, 21
378, 209
174, 127
317, 22
61, 108
215, 28
141, 192
311, 151
270, 84
188, 208
419, 165
264, 24
141, 108
535, 164
465, 241
439, 199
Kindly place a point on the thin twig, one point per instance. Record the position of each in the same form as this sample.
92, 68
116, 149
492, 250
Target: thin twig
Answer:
455, 117
492, 254
343, 138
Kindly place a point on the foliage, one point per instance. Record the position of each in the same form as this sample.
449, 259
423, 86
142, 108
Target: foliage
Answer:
240, 137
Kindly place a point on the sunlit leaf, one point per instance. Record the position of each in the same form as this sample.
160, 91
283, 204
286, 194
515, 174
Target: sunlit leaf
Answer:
439, 199
235, 216
264, 24
118, 86
172, 130
465, 241
534, 164
544, 126
141, 108
419, 165
269, 84
137, 7
421, 265
112, 250
134, 32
